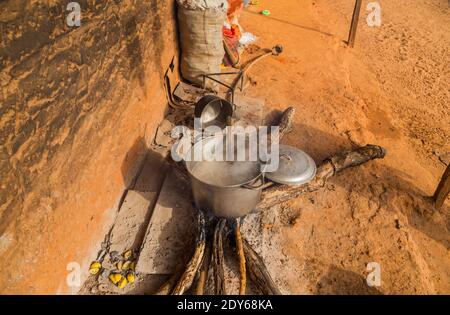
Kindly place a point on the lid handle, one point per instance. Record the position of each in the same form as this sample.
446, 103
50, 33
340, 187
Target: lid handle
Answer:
286, 157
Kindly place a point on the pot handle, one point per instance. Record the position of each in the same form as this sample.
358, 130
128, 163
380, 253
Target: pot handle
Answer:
254, 187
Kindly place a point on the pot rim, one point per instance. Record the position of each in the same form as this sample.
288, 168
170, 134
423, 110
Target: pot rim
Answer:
236, 185
249, 182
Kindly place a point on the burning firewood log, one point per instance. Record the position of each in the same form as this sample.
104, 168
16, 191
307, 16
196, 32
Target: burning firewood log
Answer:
258, 272
186, 280
242, 260
286, 121
280, 193
203, 273
218, 259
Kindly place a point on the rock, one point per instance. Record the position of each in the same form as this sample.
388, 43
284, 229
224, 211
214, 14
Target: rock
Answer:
130, 224
188, 93
163, 137
170, 236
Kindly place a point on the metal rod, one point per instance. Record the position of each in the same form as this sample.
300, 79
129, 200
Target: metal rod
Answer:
354, 25
223, 73
443, 189
230, 88
221, 83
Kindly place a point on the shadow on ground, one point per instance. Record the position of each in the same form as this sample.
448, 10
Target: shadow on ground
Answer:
344, 282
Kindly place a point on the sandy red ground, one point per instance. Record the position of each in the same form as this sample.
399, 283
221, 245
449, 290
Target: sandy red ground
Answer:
391, 89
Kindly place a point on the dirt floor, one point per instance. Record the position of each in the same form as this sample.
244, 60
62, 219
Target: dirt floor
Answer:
392, 89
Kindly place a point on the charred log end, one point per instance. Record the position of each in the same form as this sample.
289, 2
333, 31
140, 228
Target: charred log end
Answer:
357, 157
286, 121
186, 280
281, 193
257, 271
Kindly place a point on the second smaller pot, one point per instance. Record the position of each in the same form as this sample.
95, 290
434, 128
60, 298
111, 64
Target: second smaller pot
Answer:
213, 111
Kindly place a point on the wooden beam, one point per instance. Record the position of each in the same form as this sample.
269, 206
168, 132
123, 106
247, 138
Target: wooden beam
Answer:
257, 271
186, 280
443, 189
354, 25
203, 274
241, 255
218, 259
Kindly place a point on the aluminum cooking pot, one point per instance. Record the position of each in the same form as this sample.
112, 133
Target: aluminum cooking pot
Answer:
228, 189
213, 111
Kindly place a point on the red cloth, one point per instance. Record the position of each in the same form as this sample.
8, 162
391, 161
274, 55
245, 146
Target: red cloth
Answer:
232, 32
231, 43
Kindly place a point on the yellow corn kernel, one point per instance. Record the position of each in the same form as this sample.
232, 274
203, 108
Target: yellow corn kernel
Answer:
130, 277
122, 283
127, 255
95, 267
115, 277
127, 265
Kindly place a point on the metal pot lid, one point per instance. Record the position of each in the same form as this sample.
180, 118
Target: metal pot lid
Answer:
295, 167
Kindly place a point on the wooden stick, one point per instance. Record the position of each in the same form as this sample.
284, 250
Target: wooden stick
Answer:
218, 260
203, 277
280, 193
192, 267
240, 251
286, 121
258, 272
442, 190
275, 51
354, 25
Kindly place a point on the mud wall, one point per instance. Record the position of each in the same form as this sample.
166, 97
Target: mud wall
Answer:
79, 106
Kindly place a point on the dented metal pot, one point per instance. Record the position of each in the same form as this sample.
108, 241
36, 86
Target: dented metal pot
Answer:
228, 189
